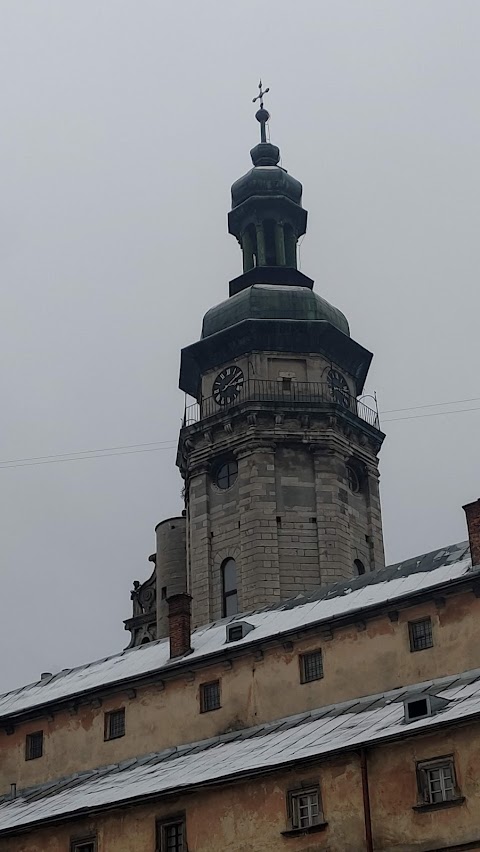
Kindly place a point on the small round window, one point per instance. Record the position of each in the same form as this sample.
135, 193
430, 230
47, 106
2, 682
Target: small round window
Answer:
353, 479
226, 474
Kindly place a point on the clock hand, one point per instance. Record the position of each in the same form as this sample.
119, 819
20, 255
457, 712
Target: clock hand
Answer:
233, 382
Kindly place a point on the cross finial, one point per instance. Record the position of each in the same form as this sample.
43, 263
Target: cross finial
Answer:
261, 93
262, 115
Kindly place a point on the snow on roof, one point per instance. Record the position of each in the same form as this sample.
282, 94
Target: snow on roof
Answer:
385, 586
297, 738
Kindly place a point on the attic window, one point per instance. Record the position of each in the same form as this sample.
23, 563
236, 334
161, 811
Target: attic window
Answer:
420, 633
237, 630
311, 666
34, 745
235, 633
417, 709
115, 724
421, 706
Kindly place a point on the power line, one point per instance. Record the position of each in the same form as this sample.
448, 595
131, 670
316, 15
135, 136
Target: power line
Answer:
433, 405
6, 466
432, 414
84, 452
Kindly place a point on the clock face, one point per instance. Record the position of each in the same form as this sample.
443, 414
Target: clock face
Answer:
227, 385
338, 388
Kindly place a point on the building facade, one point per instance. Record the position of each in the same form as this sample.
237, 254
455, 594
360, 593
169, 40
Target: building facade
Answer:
282, 689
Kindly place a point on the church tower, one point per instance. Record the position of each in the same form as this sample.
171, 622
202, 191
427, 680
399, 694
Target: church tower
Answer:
278, 453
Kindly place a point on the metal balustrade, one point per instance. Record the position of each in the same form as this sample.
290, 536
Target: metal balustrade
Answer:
288, 393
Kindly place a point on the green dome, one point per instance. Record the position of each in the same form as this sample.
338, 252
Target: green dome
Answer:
272, 301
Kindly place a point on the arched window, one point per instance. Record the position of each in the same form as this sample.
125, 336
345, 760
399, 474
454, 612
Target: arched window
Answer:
229, 587
360, 567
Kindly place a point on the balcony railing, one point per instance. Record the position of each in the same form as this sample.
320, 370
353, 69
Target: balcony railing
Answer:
284, 393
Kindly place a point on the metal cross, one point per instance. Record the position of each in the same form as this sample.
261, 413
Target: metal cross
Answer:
260, 94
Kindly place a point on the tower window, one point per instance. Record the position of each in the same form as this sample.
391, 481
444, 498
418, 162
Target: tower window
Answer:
115, 724
359, 567
34, 745
311, 666
353, 479
226, 474
420, 633
210, 696
229, 585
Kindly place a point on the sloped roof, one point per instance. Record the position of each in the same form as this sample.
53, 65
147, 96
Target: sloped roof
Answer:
386, 586
336, 728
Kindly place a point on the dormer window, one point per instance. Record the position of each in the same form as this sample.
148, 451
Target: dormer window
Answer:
237, 630
421, 706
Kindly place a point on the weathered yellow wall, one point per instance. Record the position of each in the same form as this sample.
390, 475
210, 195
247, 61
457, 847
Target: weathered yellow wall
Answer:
394, 794
356, 662
250, 816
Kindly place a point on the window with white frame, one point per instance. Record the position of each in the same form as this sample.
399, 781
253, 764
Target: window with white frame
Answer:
171, 834
304, 807
85, 844
436, 781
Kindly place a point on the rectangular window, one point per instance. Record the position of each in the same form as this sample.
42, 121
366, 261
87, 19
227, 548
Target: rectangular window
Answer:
34, 745
304, 808
209, 696
311, 666
436, 781
171, 835
86, 844
420, 634
115, 724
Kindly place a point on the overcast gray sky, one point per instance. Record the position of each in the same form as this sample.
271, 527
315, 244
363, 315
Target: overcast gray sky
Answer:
124, 123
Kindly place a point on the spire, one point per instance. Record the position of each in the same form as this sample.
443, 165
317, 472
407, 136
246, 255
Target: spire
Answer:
262, 115
267, 216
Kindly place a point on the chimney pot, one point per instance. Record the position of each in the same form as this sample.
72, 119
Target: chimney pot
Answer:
13, 791
472, 512
179, 618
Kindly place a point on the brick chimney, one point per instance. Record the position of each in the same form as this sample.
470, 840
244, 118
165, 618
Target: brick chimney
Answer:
179, 622
472, 511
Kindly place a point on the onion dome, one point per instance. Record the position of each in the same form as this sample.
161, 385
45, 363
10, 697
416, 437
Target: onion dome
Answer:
272, 302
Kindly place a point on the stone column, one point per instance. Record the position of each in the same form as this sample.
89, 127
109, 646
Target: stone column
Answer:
279, 244
259, 568
261, 252
200, 546
290, 247
247, 247
334, 546
375, 528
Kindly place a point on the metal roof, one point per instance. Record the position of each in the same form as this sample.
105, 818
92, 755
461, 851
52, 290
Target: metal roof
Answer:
299, 738
387, 586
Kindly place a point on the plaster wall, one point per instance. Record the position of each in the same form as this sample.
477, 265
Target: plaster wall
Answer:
360, 659
250, 816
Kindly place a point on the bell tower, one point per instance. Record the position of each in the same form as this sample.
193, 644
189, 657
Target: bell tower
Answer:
278, 452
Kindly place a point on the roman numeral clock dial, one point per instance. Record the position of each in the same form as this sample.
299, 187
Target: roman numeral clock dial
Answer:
228, 385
